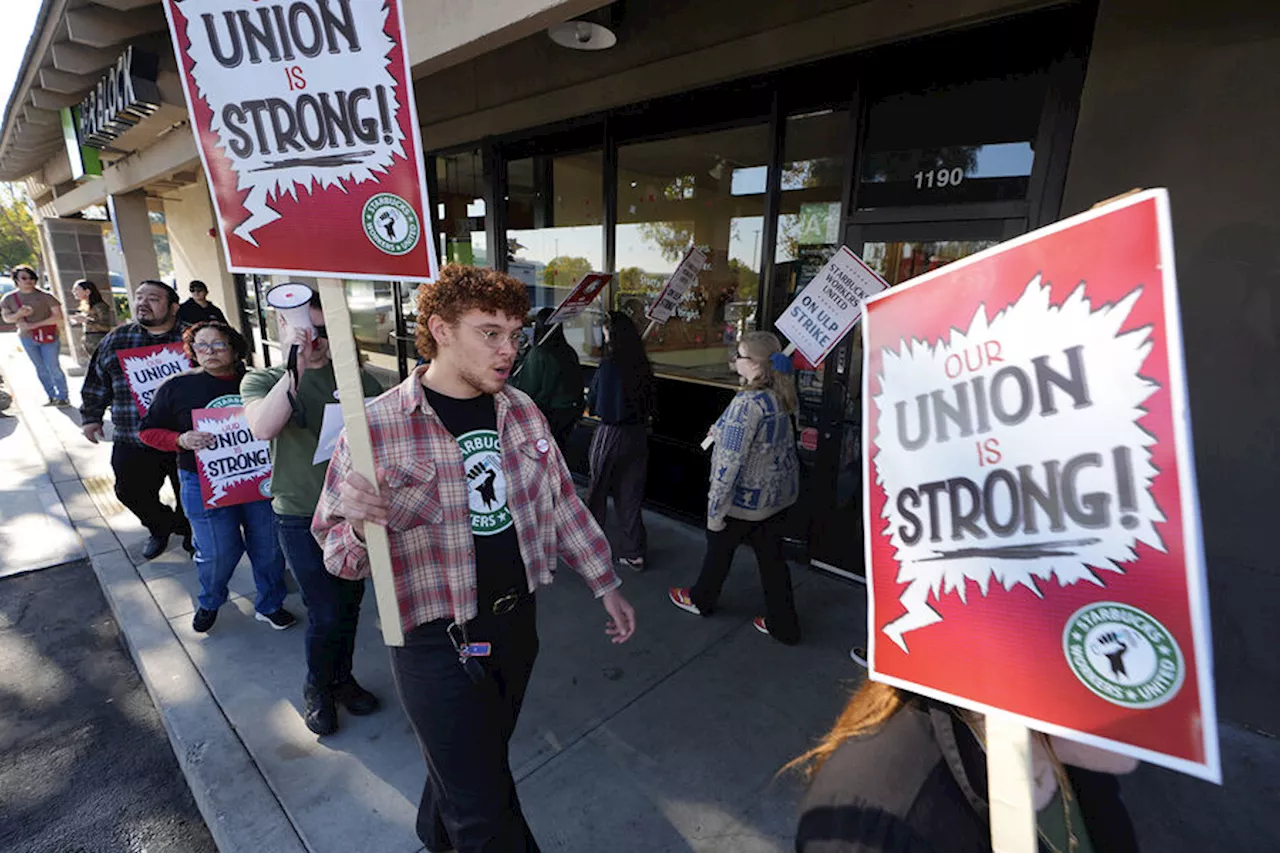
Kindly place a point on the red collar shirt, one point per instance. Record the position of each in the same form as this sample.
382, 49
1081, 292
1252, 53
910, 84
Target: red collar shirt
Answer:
433, 557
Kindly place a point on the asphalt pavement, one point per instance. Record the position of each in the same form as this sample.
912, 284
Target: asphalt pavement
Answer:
85, 763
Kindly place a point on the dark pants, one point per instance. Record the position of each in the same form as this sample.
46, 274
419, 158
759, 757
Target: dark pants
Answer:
469, 802
333, 605
619, 463
140, 472
765, 538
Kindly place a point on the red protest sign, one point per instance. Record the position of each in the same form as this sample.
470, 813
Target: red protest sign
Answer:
308, 131
236, 468
146, 368
582, 295
1033, 529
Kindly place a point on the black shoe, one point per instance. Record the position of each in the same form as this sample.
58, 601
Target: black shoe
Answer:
355, 698
203, 620
155, 546
279, 620
188, 545
321, 713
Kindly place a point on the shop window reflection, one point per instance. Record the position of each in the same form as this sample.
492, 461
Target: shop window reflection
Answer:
555, 234
460, 208
709, 190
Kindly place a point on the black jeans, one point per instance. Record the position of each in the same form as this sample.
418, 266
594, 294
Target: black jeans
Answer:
469, 801
619, 465
140, 472
333, 604
765, 538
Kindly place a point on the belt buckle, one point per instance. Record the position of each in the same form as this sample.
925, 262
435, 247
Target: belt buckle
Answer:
505, 604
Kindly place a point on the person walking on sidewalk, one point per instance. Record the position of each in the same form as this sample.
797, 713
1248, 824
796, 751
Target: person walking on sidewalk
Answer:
478, 505
93, 315
37, 315
198, 308
552, 376
222, 534
287, 407
622, 396
140, 470
755, 476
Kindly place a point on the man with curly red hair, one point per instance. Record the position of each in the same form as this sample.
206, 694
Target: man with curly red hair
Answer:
478, 504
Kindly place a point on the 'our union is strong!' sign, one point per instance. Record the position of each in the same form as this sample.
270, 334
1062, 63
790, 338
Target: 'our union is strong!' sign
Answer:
1031, 514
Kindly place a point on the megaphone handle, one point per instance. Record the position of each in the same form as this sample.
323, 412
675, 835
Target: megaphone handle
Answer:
299, 417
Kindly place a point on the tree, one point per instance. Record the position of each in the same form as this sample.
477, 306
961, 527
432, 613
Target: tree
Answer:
563, 271
19, 239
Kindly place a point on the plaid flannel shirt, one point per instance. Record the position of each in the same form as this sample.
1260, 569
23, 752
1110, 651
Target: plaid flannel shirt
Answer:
105, 383
433, 557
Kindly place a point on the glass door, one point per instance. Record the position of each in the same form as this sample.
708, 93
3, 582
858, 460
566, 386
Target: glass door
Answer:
897, 252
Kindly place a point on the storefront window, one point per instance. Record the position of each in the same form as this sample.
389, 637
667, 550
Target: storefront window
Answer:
966, 143
555, 233
460, 208
707, 190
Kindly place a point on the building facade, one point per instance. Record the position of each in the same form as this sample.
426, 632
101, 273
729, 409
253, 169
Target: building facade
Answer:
770, 134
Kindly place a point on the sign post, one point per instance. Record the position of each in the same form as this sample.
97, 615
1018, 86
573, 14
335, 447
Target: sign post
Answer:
1033, 533
315, 166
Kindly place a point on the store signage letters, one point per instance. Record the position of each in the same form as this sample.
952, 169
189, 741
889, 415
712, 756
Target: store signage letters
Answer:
125, 96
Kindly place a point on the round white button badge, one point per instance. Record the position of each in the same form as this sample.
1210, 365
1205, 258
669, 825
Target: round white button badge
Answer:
542, 445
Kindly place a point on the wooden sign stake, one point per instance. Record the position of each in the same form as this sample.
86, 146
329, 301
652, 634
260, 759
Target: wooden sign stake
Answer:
346, 369
1009, 785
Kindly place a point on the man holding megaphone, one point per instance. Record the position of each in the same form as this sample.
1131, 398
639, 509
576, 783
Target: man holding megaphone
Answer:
285, 405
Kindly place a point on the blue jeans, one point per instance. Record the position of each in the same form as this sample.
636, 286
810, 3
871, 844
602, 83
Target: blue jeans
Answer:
333, 604
48, 368
222, 536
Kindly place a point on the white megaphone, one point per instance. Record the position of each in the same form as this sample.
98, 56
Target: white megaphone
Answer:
292, 301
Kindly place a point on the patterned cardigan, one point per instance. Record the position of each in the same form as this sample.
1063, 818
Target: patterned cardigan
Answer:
754, 470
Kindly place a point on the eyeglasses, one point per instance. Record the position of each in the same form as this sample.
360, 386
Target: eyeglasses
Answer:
494, 340
739, 357
208, 349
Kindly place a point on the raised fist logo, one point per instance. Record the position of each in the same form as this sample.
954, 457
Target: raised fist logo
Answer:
1113, 646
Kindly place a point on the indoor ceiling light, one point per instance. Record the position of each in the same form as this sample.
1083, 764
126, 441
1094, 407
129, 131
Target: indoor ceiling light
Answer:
582, 35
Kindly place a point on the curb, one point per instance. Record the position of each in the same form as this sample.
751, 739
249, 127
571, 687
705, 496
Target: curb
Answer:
237, 804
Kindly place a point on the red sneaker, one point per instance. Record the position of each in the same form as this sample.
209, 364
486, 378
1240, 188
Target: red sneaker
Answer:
760, 626
679, 596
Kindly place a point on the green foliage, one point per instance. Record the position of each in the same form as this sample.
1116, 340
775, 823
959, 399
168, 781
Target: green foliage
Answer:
564, 271
19, 240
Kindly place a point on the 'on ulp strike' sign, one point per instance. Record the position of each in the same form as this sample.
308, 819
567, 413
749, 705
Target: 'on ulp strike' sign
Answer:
308, 130
1033, 530
828, 306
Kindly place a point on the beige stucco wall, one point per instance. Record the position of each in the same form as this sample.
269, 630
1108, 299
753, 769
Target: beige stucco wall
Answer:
188, 214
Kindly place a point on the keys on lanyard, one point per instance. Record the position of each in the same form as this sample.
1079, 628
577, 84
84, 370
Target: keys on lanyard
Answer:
469, 652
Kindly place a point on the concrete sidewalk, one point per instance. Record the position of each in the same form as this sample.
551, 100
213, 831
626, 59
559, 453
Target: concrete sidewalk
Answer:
668, 743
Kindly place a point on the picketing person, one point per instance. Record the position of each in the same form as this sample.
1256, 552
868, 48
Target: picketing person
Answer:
37, 315
140, 471
93, 315
899, 773
755, 477
222, 535
286, 406
622, 395
551, 375
478, 504
198, 307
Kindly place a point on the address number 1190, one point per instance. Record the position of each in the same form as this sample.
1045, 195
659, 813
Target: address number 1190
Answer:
939, 178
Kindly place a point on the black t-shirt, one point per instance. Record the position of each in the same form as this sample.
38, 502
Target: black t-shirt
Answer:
191, 313
174, 400
474, 423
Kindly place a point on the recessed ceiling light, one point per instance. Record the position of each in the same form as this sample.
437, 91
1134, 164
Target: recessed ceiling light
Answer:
582, 35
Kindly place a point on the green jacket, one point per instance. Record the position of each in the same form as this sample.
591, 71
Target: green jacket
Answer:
552, 376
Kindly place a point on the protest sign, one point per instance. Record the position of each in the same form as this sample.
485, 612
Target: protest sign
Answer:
1033, 533
305, 120
236, 468
828, 306
677, 286
330, 430
582, 295
146, 369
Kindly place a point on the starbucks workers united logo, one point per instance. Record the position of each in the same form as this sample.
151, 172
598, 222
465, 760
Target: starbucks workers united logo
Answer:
391, 223
486, 485
1123, 654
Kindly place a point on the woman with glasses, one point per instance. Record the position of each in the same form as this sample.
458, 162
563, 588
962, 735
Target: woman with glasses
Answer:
622, 396
222, 535
755, 476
